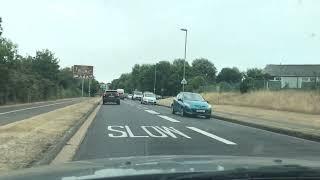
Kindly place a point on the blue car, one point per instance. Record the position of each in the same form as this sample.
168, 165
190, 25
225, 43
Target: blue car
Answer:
193, 104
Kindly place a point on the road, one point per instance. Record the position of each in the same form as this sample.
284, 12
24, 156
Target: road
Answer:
132, 129
9, 114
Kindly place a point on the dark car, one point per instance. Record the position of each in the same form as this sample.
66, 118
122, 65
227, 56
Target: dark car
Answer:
111, 96
188, 103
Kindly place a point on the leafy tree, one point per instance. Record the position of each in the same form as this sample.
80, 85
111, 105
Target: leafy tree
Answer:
196, 82
230, 75
257, 74
26, 79
246, 85
205, 68
46, 65
0, 26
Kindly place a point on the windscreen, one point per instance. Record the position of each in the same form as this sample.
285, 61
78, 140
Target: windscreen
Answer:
192, 97
191, 66
149, 95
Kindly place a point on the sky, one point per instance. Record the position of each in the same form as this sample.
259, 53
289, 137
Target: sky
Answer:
113, 35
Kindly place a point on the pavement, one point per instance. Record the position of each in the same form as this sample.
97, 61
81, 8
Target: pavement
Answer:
133, 129
13, 113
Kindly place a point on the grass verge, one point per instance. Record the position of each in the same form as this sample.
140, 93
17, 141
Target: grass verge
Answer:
24, 142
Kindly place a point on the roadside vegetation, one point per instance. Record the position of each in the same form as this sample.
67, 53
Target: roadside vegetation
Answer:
35, 78
286, 100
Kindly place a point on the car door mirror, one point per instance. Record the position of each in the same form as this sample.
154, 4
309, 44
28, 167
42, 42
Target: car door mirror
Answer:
180, 100
208, 102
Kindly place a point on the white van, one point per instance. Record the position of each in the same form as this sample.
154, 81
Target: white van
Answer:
121, 93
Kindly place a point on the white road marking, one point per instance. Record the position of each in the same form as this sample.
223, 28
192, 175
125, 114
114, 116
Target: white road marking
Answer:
130, 132
212, 136
161, 134
168, 118
34, 107
150, 131
152, 112
171, 130
122, 133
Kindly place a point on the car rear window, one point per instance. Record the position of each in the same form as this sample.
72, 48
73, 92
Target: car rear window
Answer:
111, 92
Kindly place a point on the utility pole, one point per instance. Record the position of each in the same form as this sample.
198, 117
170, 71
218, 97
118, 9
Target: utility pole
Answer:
89, 92
82, 87
155, 78
183, 82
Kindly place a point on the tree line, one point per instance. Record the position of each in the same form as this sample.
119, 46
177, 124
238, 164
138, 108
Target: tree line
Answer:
200, 73
35, 78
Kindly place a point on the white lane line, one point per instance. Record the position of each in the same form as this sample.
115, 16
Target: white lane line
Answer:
168, 118
152, 112
212, 136
34, 107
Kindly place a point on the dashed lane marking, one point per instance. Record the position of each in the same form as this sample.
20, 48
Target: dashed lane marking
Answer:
152, 112
168, 118
212, 136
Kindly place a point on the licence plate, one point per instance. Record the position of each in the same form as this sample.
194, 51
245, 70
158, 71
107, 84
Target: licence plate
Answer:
111, 96
202, 111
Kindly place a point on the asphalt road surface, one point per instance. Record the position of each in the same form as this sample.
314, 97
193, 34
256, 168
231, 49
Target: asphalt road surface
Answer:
132, 129
9, 114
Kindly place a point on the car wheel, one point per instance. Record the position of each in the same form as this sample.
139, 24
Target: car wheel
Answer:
208, 117
182, 112
172, 110
118, 102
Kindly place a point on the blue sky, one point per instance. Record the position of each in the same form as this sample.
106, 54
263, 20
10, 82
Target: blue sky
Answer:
113, 35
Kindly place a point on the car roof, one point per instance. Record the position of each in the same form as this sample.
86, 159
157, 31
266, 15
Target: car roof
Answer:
188, 93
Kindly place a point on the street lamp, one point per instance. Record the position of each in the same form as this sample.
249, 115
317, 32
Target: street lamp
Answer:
155, 78
183, 82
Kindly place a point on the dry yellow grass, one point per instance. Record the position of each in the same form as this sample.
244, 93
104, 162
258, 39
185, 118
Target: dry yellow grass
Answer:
24, 141
290, 100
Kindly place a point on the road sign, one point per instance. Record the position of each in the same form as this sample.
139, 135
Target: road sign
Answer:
82, 71
184, 81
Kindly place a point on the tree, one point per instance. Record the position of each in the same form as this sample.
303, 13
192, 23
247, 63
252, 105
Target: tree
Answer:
257, 74
26, 79
205, 68
230, 75
46, 65
0, 26
196, 82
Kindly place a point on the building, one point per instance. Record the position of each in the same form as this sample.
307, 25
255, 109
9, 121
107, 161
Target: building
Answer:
295, 75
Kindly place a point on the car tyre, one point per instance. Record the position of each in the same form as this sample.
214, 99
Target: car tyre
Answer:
172, 110
207, 117
182, 112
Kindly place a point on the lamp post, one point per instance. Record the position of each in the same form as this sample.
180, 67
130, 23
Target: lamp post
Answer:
155, 78
184, 81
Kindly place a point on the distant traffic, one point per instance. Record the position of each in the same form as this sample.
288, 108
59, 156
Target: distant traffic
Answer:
185, 103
